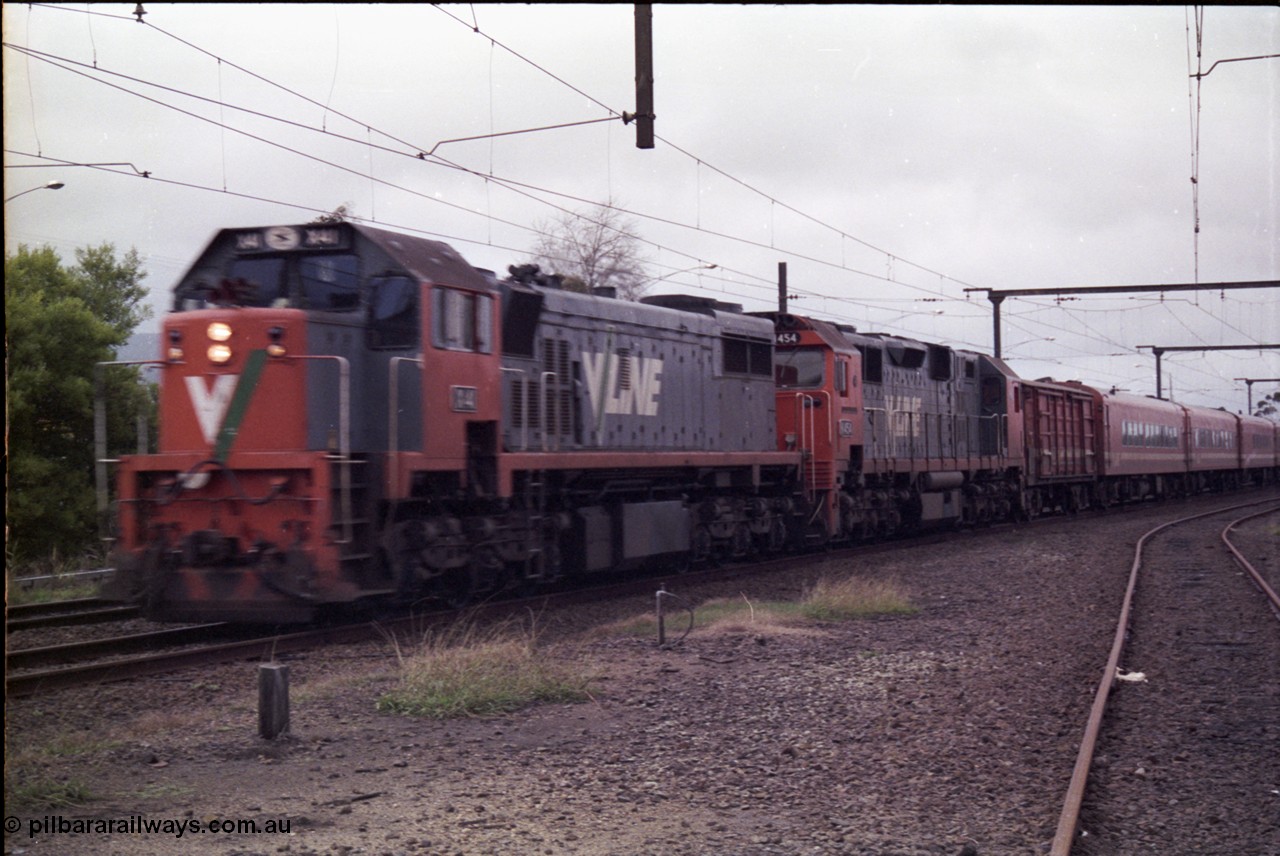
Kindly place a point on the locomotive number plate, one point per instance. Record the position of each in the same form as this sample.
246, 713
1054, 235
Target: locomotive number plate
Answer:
463, 399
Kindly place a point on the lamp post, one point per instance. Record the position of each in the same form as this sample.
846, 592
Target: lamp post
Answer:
53, 185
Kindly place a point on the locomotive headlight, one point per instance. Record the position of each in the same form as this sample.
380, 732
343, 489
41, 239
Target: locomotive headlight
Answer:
219, 332
219, 354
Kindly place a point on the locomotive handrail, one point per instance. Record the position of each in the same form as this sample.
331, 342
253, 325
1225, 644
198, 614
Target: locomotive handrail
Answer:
100, 430
393, 421
344, 436
806, 419
805, 432
524, 405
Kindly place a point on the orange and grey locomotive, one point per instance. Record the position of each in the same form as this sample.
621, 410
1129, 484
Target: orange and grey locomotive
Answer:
351, 416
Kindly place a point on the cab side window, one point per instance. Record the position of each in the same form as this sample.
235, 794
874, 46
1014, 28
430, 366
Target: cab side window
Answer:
393, 312
461, 320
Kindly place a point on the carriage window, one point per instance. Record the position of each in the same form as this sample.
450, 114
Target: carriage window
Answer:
393, 313
330, 283
461, 321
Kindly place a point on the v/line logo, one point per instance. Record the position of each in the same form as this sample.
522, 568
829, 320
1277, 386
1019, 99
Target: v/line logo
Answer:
638, 395
211, 402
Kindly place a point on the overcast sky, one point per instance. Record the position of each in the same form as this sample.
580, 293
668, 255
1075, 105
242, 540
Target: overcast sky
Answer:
892, 156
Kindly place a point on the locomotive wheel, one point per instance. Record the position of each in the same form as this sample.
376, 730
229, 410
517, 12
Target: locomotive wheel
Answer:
457, 587
701, 549
1035, 504
551, 560
776, 540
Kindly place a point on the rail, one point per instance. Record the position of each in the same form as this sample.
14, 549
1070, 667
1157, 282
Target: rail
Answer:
1244, 563
1070, 816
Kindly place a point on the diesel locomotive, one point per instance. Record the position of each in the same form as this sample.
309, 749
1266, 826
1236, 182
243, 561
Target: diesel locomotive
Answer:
352, 417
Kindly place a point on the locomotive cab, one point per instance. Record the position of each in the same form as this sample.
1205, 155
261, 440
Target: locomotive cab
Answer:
303, 388
819, 401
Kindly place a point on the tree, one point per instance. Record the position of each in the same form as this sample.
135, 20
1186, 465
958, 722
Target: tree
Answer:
344, 212
59, 322
598, 249
1269, 407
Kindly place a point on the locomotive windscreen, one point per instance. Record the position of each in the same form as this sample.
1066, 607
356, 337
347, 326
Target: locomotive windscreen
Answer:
800, 368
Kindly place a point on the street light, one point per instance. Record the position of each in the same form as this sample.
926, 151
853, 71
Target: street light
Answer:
53, 185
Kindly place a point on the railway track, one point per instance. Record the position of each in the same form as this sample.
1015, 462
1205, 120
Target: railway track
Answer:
201, 645
65, 613
1189, 696
45, 669
48, 668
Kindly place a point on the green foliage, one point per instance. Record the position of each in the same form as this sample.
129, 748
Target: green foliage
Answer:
45, 793
60, 321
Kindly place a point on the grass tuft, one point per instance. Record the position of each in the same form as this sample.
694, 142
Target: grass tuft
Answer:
827, 600
41, 792
854, 597
65, 585
468, 672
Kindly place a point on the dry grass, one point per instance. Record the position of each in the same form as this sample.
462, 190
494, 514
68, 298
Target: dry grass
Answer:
854, 597
830, 599
467, 671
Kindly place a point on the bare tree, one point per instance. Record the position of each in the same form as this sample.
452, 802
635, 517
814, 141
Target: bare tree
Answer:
599, 248
1269, 407
344, 212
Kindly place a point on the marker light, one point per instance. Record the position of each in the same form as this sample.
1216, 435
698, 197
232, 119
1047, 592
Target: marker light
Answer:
276, 349
219, 354
219, 332
174, 352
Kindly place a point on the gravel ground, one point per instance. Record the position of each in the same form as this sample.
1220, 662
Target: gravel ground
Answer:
1190, 761
952, 730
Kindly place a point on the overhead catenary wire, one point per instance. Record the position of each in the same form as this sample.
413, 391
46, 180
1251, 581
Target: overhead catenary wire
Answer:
534, 191
703, 162
524, 189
